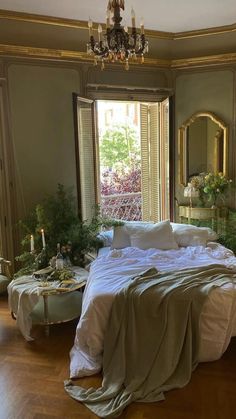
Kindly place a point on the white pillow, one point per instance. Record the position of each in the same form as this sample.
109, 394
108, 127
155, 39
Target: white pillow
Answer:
106, 237
144, 235
121, 236
190, 235
157, 236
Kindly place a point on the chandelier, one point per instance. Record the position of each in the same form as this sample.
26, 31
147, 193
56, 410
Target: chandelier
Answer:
117, 44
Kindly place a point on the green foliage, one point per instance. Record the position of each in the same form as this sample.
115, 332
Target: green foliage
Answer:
119, 144
226, 229
57, 216
29, 265
61, 275
227, 236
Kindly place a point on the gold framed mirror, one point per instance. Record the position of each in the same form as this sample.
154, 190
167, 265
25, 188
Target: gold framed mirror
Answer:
202, 146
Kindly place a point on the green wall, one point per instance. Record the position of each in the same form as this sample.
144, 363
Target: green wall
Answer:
41, 116
211, 91
42, 127
204, 91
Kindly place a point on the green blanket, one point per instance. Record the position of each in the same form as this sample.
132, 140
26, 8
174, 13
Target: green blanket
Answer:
152, 340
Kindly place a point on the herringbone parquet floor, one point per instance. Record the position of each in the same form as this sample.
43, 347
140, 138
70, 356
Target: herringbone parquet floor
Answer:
32, 375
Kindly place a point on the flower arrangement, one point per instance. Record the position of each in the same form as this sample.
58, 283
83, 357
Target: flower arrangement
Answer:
212, 187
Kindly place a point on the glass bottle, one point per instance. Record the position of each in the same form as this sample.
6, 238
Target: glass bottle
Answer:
59, 258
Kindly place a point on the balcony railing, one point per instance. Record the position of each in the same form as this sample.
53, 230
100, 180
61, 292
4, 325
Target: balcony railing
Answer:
123, 206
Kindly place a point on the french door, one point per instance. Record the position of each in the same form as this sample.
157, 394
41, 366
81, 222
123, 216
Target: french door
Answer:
154, 135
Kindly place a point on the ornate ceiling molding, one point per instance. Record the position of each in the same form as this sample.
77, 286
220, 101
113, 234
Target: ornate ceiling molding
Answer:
77, 56
66, 55
209, 60
80, 24
204, 32
67, 23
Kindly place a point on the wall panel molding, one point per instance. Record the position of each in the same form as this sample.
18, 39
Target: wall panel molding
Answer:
8, 206
78, 56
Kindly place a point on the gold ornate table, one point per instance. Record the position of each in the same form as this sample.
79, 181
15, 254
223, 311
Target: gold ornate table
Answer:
198, 213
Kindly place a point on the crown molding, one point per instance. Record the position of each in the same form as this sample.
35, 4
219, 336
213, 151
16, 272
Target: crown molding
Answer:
209, 60
67, 23
75, 56
66, 55
42, 19
218, 30
80, 24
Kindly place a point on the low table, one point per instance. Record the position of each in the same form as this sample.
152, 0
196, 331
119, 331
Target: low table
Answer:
39, 302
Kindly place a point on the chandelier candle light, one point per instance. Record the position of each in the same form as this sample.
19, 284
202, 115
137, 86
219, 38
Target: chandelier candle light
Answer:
117, 44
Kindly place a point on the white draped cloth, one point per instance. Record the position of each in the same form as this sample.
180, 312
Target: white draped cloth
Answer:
24, 293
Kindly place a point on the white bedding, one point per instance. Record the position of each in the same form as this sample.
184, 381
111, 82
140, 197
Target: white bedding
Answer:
111, 270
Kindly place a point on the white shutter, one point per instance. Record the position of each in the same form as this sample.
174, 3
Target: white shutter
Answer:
154, 119
154, 162
149, 120
145, 163
86, 158
164, 159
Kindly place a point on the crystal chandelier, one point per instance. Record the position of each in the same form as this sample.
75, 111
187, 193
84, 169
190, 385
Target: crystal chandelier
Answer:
117, 44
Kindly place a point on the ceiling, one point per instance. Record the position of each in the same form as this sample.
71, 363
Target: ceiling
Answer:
161, 15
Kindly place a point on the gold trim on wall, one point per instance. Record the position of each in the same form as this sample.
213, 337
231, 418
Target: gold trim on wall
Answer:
68, 23
41, 19
218, 30
181, 63
19, 50
81, 24
66, 55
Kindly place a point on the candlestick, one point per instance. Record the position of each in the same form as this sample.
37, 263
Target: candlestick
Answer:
32, 243
43, 238
133, 18
108, 18
142, 26
99, 32
90, 25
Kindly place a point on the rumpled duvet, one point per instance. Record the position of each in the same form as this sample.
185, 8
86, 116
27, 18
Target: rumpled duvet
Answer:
151, 343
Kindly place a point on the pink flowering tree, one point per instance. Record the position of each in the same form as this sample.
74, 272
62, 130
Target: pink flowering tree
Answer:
121, 172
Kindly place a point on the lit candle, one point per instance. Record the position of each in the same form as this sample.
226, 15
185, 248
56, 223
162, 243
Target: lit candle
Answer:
90, 25
133, 17
99, 32
43, 238
108, 18
32, 243
142, 26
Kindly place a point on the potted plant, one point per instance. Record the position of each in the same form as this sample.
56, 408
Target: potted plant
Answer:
54, 221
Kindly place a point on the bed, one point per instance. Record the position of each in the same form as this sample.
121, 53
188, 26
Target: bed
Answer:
168, 248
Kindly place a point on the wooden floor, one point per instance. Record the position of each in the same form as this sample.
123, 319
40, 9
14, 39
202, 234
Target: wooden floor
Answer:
32, 375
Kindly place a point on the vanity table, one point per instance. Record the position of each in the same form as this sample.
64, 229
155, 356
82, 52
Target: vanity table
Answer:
199, 214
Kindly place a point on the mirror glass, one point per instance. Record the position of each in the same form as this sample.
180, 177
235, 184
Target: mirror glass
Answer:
202, 146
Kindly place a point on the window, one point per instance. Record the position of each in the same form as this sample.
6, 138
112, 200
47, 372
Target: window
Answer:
126, 170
